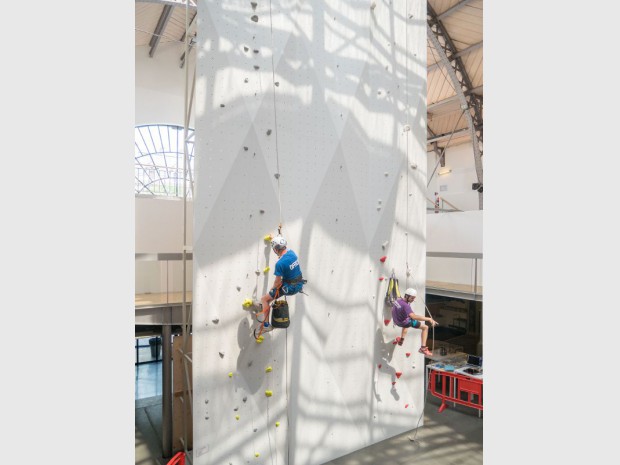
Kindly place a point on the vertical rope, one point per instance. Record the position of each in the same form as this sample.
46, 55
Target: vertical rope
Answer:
407, 130
275, 119
275, 114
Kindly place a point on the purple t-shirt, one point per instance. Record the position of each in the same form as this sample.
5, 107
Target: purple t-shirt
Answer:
400, 312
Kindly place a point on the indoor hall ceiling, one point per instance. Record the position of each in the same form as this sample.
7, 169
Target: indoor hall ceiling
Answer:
456, 24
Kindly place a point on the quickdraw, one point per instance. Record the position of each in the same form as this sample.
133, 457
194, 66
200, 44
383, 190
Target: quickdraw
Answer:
393, 292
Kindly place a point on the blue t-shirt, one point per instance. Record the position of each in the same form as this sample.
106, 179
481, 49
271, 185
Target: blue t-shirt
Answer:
288, 266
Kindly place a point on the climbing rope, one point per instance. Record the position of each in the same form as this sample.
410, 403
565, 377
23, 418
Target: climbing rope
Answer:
275, 115
407, 130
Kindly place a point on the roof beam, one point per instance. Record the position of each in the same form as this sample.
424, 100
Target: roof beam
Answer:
454, 98
166, 14
192, 3
471, 104
440, 137
463, 52
454, 9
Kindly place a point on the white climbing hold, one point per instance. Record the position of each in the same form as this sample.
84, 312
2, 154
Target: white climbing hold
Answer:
373, 5
414, 166
384, 245
407, 128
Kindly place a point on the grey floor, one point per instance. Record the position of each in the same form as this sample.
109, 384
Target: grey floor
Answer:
453, 437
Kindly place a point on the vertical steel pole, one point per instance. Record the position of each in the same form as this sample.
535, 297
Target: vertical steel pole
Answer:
166, 374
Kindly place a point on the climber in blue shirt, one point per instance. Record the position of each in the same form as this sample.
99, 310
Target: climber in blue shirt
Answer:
289, 280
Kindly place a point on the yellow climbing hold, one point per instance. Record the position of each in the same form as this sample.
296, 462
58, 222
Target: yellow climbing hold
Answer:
266, 269
236, 417
268, 237
268, 393
268, 370
256, 454
277, 424
230, 374
260, 339
247, 303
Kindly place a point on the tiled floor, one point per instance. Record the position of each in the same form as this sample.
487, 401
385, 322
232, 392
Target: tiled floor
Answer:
448, 438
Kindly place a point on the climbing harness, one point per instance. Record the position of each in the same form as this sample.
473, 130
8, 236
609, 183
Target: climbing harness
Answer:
393, 292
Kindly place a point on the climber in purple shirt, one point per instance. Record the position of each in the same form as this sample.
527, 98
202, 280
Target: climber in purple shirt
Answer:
403, 316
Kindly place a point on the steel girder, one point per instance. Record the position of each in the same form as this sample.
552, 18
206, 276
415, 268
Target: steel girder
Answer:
471, 104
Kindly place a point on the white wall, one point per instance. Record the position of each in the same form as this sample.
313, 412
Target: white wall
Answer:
457, 184
454, 232
159, 229
347, 78
160, 85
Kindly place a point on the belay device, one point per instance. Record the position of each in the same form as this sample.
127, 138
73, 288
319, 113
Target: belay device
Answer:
279, 314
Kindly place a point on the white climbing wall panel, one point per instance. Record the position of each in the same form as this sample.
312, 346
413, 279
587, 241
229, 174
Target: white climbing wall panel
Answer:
331, 96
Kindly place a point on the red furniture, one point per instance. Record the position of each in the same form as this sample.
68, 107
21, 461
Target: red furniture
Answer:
455, 387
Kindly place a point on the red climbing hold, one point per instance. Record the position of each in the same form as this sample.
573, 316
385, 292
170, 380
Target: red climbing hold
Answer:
406, 405
408, 354
379, 365
382, 259
393, 383
386, 322
381, 278
398, 374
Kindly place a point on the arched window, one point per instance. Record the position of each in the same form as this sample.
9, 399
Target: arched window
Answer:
159, 160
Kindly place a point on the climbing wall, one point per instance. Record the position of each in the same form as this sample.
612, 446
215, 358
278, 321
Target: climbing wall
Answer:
312, 115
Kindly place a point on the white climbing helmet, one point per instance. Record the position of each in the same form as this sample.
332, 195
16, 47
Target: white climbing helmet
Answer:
411, 292
278, 243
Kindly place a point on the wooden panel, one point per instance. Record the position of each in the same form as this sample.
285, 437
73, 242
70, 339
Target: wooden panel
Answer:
181, 408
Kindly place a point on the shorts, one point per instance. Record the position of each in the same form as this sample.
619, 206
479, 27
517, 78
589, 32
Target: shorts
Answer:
286, 289
415, 324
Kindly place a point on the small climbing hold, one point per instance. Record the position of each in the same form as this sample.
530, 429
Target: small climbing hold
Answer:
266, 324
379, 365
268, 237
222, 105
255, 430
254, 4
236, 409
386, 322
268, 369
245, 399
254, 18
413, 166
373, 5
268, 393
206, 401
256, 454
382, 259
407, 128
247, 303
381, 278
277, 424
277, 175
408, 354
398, 374
260, 339
277, 84
256, 67
378, 208
393, 383
245, 148
246, 80
406, 405
245, 49
257, 272
215, 320
268, 132
384, 245
230, 375
266, 269
386, 174
262, 211
221, 354
239, 288
255, 51
237, 417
